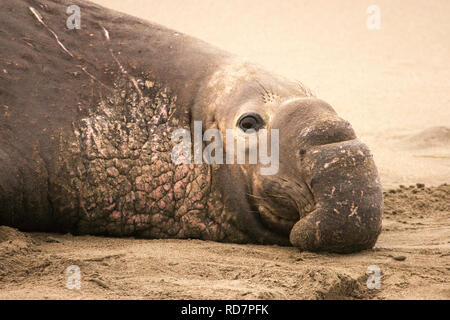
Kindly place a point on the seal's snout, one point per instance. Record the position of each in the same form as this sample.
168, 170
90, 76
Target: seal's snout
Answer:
321, 150
345, 184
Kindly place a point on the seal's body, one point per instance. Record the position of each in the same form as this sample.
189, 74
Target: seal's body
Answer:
86, 119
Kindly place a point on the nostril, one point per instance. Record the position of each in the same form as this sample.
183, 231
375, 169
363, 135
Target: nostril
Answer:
302, 153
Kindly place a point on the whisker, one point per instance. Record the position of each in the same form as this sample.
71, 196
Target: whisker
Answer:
277, 196
265, 90
257, 197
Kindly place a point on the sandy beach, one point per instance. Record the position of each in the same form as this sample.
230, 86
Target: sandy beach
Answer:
391, 84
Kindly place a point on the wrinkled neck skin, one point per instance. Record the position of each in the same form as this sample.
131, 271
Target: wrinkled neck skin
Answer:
124, 180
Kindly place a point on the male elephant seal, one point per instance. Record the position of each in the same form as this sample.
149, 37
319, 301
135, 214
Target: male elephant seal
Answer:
86, 119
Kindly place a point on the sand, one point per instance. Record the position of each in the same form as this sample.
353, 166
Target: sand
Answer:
392, 84
412, 255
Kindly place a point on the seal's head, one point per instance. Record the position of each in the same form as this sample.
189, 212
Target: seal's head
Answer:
324, 194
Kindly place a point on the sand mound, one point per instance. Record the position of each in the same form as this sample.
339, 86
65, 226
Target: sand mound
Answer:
418, 201
16, 249
12, 240
429, 138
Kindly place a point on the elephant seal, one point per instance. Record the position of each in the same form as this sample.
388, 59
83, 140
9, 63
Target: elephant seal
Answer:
86, 119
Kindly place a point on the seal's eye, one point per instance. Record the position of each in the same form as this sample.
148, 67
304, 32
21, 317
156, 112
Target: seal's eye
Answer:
250, 121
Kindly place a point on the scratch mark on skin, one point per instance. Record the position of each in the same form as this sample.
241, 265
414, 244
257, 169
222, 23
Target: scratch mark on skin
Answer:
106, 33
132, 79
93, 77
317, 231
333, 190
39, 17
326, 165
122, 69
353, 210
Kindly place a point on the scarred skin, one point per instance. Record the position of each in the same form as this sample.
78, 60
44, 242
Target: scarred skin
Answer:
85, 139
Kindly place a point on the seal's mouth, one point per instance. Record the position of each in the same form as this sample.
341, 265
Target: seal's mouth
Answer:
280, 211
